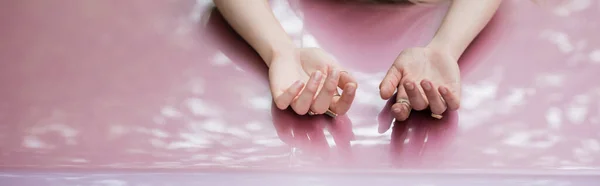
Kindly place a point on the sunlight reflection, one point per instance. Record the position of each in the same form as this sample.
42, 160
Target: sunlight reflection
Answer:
591, 144
261, 103
477, 94
552, 79
582, 155
79, 160
220, 59
111, 183
571, 7
215, 125
170, 112
116, 131
578, 109
67, 132
200, 108
192, 141
290, 22
269, 142
531, 139
309, 41
199, 6
254, 126
34, 142
595, 56
560, 39
554, 117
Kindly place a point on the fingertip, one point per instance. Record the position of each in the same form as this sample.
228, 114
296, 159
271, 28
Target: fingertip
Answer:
401, 111
426, 84
385, 93
382, 129
397, 111
443, 90
452, 100
350, 89
409, 85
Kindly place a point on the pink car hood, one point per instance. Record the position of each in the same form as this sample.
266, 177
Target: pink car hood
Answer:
152, 92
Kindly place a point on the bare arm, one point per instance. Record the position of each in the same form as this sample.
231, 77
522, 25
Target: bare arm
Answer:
255, 22
464, 20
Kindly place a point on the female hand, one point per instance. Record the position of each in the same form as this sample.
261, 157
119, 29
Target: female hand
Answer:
308, 80
422, 77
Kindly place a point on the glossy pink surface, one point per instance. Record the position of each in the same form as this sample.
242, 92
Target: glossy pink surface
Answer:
120, 85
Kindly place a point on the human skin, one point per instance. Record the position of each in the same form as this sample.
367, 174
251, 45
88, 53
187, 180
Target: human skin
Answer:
305, 79
422, 76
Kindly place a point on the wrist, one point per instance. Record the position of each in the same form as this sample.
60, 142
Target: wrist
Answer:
281, 55
444, 48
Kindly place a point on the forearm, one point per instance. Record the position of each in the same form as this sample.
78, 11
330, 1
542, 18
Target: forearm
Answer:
463, 21
255, 22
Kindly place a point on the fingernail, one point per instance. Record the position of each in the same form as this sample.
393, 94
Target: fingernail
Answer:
297, 84
351, 90
409, 86
335, 73
397, 110
317, 76
443, 90
426, 85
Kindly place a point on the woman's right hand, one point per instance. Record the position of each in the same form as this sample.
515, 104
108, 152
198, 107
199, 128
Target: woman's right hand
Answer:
307, 79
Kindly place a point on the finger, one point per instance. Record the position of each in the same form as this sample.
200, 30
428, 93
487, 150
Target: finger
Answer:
417, 101
389, 83
302, 104
451, 98
341, 104
401, 109
436, 105
323, 100
285, 99
345, 78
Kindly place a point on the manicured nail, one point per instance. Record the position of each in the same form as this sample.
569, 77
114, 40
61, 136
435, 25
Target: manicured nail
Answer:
334, 73
409, 86
317, 76
351, 90
297, 85
443, 90
426, 85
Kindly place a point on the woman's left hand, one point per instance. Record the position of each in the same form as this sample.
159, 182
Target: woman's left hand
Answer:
422, 78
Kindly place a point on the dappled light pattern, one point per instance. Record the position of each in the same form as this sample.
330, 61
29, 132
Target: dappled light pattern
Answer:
169, 85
